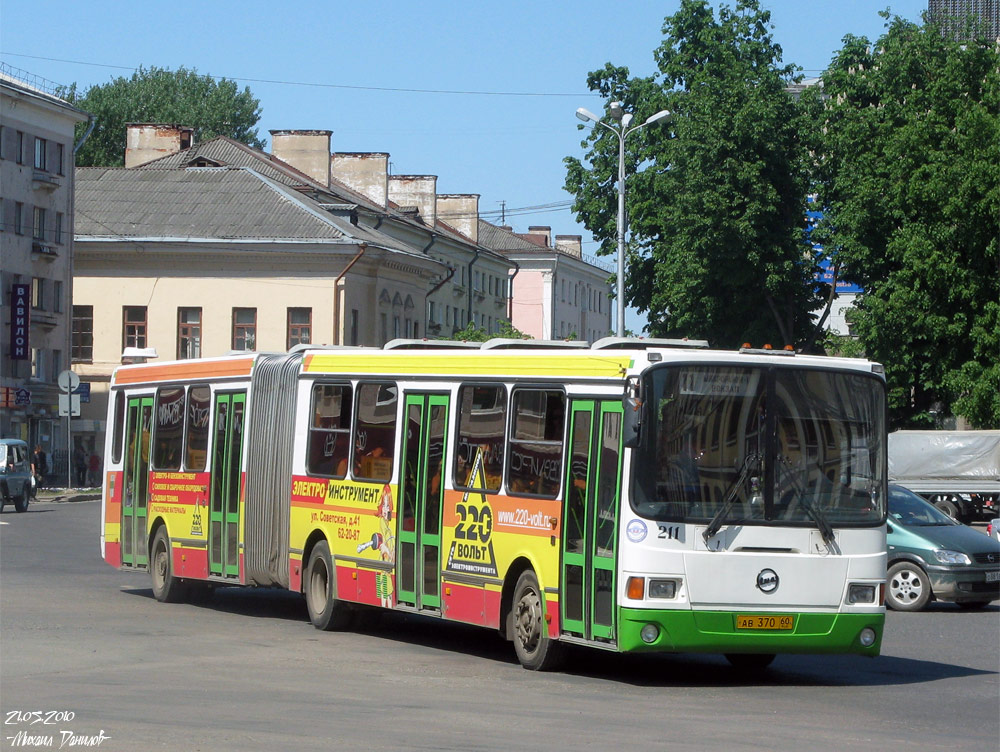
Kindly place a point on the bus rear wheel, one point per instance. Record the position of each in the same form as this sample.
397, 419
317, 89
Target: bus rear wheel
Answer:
325, 611
166, 587
534, 648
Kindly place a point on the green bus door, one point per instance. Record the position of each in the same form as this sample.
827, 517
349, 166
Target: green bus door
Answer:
224, 507
590, 519
138, 426
419, 550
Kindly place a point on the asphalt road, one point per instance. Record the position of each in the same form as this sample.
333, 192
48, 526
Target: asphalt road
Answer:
90, 648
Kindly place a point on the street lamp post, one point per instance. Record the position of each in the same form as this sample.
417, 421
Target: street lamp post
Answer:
622, 132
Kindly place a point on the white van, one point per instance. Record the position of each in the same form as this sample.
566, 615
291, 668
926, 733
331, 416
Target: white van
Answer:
15, 474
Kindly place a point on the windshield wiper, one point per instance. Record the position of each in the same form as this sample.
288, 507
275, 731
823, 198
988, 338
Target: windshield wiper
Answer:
825, 529
752, 462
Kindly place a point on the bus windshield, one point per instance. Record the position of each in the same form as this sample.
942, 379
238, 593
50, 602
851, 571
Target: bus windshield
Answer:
761, 445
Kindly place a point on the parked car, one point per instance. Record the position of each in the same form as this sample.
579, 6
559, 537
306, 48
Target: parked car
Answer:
932, 556
15, 474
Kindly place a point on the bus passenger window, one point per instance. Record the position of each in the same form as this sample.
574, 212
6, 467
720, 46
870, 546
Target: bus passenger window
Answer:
329, 431
375, 431
169, 433
119, 430
536, 443
196, 441
482, 413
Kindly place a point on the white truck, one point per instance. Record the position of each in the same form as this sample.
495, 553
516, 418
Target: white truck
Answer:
957, 471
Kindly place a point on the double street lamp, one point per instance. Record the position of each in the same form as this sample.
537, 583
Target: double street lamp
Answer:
625, 118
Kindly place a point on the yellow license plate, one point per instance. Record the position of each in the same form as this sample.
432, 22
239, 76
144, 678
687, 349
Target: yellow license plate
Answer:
765, 622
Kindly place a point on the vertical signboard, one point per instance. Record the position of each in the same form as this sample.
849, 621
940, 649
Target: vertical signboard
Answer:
20, 312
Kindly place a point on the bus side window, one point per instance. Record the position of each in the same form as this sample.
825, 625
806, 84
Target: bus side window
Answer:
169, 433
375, 431
329, 431
119, 428
199, 407
481, 424
535, 457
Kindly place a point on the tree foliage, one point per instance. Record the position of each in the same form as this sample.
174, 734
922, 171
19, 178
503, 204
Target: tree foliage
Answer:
473, 333
715, 201
156, 95
909, 176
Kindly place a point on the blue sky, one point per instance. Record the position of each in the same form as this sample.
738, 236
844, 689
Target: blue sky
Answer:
376, 73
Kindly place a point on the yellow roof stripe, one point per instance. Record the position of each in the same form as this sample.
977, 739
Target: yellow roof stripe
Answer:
480, 364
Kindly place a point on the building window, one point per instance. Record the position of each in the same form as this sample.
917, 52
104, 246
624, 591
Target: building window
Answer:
133, 326
299, 327
56, 362
244, 328
83, 334
188, 333
57, 237
38, 293
60, 159
37, 368
57, 295
354, 326
19, 156
19, 218
39, 231
39, 153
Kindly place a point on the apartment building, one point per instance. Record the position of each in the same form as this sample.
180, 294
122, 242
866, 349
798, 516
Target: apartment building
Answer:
36, 258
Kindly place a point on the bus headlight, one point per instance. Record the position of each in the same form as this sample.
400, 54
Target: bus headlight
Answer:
867, 637
663, 589
649, 633
858, 593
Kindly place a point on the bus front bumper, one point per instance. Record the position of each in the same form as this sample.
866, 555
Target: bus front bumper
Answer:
686, 631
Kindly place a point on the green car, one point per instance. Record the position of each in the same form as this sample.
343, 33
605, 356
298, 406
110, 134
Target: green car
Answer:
931, 556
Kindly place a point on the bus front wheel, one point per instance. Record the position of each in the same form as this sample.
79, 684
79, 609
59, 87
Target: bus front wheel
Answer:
325, 611
535, 649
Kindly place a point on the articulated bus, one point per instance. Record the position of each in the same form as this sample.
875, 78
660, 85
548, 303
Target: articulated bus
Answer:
629, 495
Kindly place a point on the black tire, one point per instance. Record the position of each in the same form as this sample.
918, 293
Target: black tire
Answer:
750, 662
320, 588
907, 587
21, 502
947, 506
166, 587
535, 650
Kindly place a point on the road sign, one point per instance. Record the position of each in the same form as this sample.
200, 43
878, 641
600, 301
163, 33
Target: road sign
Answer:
68, 381
69, 405
84, 391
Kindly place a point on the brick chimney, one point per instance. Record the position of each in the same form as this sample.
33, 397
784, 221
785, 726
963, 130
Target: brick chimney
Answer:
145, 142
416, 190
306, 151
570, 244
544, 231
364, 172
461, 211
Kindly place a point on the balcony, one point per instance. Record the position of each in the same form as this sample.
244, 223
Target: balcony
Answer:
45, 180
48, 252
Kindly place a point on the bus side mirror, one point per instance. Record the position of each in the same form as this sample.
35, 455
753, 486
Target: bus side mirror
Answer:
631, 421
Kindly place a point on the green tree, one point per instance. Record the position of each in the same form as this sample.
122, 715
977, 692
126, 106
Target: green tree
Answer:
156, 95
716, 201
909, 175
473, 333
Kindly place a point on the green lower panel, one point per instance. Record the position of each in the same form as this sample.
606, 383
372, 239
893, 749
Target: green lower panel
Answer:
715, 632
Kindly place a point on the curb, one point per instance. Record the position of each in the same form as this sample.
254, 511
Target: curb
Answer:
69, 496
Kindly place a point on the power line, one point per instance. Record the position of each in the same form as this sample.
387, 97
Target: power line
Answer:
396, 89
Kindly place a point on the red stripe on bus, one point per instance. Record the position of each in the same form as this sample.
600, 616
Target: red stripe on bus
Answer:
191, 562
113, 554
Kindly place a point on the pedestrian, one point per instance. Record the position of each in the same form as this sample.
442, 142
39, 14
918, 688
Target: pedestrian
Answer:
40, 462
80, 465
95, 469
